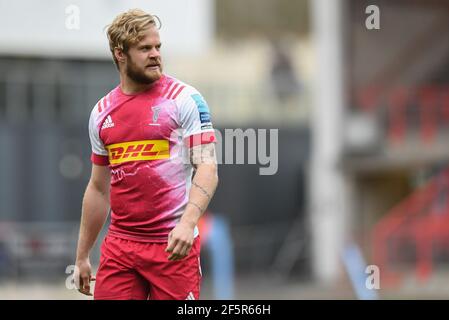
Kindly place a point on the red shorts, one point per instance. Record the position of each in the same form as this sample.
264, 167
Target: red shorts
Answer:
141, 270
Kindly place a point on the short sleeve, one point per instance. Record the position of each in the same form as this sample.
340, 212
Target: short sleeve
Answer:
195, 119
99, 154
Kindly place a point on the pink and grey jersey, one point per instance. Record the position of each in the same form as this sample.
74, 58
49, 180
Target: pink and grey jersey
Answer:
143, 138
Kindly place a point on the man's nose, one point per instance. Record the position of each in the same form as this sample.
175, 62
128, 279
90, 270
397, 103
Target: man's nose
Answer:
154, 53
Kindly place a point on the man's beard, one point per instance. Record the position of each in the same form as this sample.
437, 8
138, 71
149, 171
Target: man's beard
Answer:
139, 76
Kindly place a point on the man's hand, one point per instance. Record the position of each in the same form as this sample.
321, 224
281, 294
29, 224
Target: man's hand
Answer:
180, 241
83, 276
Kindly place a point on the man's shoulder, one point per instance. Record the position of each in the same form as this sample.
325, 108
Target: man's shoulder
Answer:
105, 102
103, 107
178, 90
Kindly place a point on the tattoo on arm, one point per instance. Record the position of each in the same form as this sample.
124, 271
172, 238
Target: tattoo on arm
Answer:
202, 190
197, 206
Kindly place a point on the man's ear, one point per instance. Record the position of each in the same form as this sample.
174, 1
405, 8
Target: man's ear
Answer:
119, 55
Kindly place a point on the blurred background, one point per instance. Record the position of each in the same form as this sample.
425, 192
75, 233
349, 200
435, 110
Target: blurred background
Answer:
362, 114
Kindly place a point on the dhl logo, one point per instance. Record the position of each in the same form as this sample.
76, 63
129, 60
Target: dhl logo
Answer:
138, 151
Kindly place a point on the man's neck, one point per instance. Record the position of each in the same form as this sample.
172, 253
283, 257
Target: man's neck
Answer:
129, 86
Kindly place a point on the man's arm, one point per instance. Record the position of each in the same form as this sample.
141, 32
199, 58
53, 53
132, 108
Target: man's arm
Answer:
94, 213
204, 183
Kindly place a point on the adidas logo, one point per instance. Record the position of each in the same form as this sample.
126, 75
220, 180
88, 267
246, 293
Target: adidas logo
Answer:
107, 123
190, 296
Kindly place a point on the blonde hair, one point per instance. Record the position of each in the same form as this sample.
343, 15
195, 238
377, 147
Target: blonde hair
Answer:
127, 29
